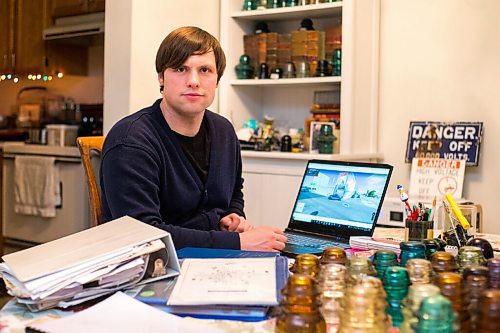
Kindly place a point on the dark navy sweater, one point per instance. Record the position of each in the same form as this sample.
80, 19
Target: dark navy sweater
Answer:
145, 174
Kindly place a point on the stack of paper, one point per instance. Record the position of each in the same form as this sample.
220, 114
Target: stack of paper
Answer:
369, 243
89, 264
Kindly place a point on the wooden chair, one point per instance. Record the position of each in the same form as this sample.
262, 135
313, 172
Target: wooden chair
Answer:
86, 146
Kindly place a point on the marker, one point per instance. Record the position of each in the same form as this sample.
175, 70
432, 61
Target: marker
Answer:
404, 197
458, 213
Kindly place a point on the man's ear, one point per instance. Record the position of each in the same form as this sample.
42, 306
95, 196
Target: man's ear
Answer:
160, 78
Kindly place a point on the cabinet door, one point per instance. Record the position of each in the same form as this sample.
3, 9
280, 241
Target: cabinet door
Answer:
6, 35
68, 7
95, 6
278, 196
29, 45
252, 191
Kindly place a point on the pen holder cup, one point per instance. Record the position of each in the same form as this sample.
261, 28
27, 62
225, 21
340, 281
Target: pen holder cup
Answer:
418, 230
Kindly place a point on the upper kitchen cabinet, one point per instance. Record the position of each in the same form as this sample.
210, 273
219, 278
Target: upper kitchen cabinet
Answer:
23, 48
76, 7
21, 44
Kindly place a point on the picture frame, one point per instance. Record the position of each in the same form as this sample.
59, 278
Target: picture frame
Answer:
314, 133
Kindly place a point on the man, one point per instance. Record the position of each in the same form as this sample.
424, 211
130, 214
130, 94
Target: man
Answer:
176, 165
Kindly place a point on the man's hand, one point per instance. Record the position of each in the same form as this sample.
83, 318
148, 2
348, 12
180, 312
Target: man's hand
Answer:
263, 239
234, 222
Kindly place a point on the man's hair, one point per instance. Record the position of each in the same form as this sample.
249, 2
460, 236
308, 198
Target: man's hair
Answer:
182, 43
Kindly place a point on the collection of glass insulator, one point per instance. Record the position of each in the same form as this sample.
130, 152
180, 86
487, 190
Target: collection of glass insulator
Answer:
469, 256
411, 250
300, 306
475, 286
443, 262
382, 259
420, 271
411, 304
333, 255
363, 307
396, 281
331, 284
451, 285
306, 264
435, 315
489, 312
493, 265
358, 267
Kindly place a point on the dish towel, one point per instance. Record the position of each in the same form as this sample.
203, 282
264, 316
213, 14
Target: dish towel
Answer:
36, 185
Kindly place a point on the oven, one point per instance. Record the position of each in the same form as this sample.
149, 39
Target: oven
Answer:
72, 215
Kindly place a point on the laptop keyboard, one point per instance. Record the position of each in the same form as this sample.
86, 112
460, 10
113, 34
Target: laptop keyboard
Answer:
322, 244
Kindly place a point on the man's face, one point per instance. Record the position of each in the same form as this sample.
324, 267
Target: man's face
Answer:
190, 89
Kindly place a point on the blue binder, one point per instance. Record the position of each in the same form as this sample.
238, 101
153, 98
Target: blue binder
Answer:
157, 293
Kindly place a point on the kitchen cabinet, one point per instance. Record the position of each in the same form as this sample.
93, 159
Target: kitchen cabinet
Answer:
76, 7
273, 178
22, 47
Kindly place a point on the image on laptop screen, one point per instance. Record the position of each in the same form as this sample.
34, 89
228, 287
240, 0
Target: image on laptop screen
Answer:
341, 195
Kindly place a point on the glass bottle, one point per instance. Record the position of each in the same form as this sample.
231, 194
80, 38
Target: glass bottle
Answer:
382, 259
396, 282
337, 62
451, 285
363, 307
358, 267
331, 284
300, 307
443, 262
475, 285
325, 139
489, 312
435, 315
306, 264
469, 256
411, 250
420, 271
411, 304
476, 271
431, 246
244, 69
249, 4
494, 272
333, 255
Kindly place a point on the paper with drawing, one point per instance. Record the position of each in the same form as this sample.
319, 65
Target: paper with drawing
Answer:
247, 281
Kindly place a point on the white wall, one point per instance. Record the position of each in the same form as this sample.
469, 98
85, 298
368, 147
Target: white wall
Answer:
440, 61
134, 31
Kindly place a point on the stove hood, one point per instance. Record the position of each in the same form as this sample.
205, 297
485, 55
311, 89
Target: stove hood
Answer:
75, 26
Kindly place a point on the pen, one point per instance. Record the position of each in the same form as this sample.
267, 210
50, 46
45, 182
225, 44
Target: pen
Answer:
458, 213
432, 210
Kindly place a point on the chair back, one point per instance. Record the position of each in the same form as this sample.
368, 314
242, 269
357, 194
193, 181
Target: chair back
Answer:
86, 146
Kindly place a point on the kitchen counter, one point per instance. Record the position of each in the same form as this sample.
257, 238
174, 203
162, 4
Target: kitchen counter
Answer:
57, 151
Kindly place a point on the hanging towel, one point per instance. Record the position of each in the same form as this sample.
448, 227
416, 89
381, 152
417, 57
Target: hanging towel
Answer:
36, 187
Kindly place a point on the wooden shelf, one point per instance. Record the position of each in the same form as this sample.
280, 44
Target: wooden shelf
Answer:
285, 82
288, 13
308, 156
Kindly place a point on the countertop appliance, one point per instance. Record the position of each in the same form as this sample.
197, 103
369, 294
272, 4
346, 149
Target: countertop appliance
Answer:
72, 215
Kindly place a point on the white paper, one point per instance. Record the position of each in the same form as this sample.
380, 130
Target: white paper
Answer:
245, 281
121, 313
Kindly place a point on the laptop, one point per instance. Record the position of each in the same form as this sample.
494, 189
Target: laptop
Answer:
336, 200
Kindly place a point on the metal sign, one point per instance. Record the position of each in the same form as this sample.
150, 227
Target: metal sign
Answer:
455, 141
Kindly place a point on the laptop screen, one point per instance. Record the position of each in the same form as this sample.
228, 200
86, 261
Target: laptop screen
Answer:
340, 198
